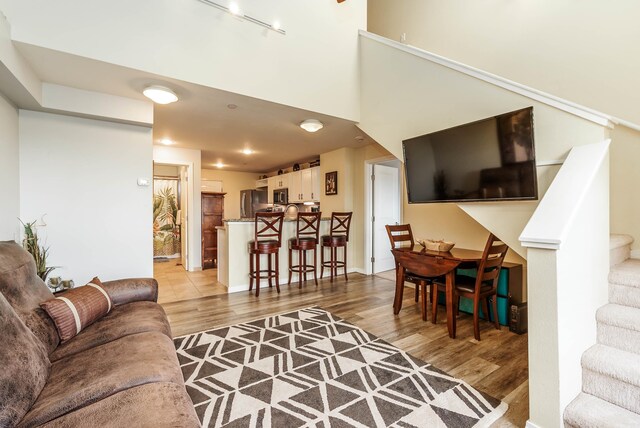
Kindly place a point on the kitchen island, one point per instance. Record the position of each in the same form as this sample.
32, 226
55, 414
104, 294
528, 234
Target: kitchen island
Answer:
233, 254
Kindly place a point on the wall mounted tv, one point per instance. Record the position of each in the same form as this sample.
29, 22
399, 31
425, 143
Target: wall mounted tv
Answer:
488, 160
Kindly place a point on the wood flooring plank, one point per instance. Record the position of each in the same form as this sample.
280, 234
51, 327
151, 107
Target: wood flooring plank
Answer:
496, 365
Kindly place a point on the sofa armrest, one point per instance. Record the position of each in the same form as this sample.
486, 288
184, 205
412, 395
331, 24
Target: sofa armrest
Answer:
130, 290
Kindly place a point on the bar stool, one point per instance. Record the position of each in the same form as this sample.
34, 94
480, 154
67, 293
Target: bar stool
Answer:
307, 233
267, 240
338, 237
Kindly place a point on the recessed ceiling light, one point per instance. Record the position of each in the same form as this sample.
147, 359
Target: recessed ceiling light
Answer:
218, 165
234, 8
166, 142
311, 125
275, 25
247, 151
232, 106
360, 138
160, 94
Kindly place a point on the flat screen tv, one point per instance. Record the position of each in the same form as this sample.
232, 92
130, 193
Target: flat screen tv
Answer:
488, 160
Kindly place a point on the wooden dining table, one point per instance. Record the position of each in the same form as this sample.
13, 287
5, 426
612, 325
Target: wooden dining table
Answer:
433, 264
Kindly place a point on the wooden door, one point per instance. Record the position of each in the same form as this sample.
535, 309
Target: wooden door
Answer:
212, 214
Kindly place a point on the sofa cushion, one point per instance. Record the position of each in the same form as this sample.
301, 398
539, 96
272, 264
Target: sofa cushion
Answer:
156, 405
124, 320
92, 375
24, 366
24, 290
78, 308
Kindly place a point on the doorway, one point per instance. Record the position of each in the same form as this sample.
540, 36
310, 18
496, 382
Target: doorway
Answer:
170, 202
383, 206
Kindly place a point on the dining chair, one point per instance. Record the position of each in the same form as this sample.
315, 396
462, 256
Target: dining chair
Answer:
267, 240
484, 287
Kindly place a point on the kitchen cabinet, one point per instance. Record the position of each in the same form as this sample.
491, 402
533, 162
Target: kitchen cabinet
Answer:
278, 181
295, 187
306, 184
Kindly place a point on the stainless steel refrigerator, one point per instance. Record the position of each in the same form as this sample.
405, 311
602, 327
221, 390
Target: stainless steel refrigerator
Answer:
252, 201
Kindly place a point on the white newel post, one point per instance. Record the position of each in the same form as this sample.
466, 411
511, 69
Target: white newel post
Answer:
568, 264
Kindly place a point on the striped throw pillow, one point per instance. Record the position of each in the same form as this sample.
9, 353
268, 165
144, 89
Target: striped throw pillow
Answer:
78, 308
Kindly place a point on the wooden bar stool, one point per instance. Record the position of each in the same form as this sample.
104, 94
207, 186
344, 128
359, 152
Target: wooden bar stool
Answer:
338, 237
267, 240
307, 233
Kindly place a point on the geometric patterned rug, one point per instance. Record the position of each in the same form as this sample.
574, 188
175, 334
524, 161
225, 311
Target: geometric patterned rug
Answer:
311, 368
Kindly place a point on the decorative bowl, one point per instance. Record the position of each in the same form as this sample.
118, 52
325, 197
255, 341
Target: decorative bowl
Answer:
436, 245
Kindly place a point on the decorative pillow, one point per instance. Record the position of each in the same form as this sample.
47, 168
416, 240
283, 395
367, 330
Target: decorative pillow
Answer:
78, 308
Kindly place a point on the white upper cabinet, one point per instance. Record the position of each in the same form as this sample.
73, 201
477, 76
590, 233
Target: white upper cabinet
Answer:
295, 187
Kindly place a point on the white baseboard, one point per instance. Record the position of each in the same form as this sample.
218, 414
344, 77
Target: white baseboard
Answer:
531, 425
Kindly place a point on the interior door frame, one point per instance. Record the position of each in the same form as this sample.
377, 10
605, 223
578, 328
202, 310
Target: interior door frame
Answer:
191, 233
368, 207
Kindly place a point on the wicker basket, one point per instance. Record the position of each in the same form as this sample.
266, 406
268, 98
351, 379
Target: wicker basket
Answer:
436, 245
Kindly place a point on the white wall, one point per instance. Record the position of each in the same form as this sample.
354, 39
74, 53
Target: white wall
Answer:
314, 66
192, 159
9, 171
83, 175
580, 51
404, 96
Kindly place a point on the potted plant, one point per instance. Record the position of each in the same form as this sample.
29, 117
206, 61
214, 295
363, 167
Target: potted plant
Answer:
38, 252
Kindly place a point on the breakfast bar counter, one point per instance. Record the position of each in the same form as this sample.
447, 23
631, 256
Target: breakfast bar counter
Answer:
233, 254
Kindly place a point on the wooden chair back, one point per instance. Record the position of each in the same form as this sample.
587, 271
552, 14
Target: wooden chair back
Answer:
308, 225
268, 226
340, 224
428, 266
491, 263
400, 236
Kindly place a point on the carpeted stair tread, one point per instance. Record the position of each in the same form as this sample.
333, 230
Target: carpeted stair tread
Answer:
619, 316
614, 363
626, 273
612, 375
589, 411
624, 295
619, 240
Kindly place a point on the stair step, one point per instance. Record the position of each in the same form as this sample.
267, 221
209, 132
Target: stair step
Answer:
587, 411
612, 375
619, 248
624, 295
619, 327
626, 273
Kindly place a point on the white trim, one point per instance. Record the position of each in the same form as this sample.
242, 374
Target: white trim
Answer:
548, 226
530, 424
283, 281
104, 293
74, 311
635, 254
526, 91
550, 162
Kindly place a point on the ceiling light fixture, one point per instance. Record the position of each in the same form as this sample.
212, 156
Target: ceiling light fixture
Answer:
218, 165
166, 142
247, 151
311, 125
160, 94
234, 10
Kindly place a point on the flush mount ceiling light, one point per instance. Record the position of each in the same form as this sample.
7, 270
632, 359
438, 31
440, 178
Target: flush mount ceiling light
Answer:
247, 151
234, 9
160, 94
311, 125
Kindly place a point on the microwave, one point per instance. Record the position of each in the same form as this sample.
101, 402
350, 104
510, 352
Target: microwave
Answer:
281, 196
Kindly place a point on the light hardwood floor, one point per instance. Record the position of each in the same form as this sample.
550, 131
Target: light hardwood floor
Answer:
496, 365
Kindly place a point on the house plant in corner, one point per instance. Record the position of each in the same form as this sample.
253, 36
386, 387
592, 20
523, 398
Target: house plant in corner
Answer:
39, 253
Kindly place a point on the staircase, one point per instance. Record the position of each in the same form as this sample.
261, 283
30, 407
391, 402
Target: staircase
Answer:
610, 394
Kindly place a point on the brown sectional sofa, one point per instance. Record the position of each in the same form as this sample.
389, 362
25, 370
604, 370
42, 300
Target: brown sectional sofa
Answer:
121, 371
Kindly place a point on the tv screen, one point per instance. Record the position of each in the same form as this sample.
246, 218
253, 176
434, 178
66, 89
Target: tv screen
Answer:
488, 160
